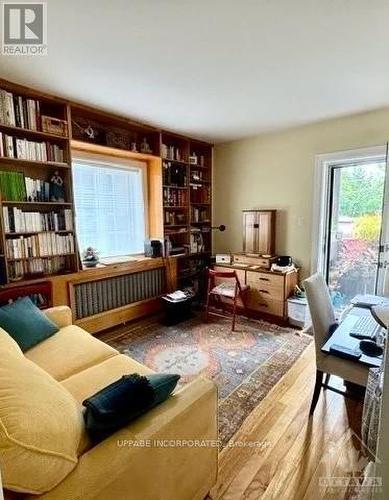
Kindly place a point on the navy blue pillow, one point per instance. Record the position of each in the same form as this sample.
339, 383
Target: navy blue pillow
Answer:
124, 400
26, 323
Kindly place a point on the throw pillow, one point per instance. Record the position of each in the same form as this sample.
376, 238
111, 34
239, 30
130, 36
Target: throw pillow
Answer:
26, 323
124, 400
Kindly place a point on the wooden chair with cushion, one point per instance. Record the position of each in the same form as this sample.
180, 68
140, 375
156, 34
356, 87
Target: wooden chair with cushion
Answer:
232, 290
324, 324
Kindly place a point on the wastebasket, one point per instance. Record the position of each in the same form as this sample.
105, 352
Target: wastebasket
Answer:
177, 310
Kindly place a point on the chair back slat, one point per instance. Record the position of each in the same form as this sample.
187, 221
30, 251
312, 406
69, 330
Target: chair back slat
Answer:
222, 274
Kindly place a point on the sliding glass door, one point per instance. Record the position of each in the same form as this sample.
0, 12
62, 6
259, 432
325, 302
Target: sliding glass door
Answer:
356, 220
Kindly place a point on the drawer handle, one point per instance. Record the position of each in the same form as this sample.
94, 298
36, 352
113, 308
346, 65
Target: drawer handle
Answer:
264, 291
264, 279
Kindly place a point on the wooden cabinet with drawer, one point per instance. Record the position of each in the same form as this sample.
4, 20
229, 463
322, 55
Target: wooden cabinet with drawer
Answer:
269, 290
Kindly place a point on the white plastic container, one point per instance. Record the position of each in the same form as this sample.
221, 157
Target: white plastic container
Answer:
298, 312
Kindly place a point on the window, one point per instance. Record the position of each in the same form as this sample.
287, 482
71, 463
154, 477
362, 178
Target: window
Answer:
110, 206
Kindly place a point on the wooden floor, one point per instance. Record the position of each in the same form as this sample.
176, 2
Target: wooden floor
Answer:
295, 456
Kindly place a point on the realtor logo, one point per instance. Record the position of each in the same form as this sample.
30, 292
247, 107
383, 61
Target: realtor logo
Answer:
24, 29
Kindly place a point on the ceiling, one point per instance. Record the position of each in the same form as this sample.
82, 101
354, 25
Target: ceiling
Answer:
216, 69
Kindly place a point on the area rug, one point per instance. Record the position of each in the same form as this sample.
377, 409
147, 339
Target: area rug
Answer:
244, 364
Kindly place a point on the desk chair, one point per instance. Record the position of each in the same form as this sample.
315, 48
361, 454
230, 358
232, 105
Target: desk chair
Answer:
233, 291
324, 323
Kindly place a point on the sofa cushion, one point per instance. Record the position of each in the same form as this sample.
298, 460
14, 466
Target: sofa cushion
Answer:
40, 427
93, 379
85, 384
26, 323
7, 343
69, 351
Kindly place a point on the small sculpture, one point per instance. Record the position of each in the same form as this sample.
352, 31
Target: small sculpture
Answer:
57, 190
133, 147
144, 147
90, 257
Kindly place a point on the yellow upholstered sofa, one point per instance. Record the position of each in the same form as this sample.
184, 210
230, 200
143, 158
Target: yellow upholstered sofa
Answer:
169, 453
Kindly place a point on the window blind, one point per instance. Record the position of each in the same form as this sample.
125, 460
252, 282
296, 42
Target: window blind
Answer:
110, 207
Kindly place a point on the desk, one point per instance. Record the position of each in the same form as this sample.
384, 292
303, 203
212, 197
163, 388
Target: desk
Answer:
342, 337
267, 290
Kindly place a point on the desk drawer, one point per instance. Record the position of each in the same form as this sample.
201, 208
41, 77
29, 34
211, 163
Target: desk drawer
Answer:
268, 284
258, 301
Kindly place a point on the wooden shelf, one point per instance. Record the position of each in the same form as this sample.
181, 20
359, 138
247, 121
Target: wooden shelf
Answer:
11, 259
33, 163
38, 203
174, 187
202, 167
199, 183
62, 231
32, 133
183, 207
176, 232
177, 162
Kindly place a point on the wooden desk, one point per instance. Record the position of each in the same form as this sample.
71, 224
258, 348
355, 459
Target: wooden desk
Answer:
268, 290
342, 337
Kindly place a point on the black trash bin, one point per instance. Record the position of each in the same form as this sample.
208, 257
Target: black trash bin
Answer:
177, 310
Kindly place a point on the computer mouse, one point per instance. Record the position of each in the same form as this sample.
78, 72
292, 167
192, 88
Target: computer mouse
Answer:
370, 348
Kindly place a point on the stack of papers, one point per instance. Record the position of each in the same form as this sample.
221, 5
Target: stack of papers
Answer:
177, 296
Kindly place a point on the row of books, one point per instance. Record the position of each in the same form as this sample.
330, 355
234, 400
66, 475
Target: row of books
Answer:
39, 245
174, 197
22, 149
174, 218
14, 186
199, 214
200, 194
29, 268
19, 221
18, 111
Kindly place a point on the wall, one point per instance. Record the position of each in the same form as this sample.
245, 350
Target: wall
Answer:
275, 170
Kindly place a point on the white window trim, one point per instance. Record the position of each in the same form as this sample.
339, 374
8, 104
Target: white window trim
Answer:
323, 163
115, 162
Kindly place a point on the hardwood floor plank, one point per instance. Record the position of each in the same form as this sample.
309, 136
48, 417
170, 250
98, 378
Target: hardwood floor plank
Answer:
257, 425
302, 450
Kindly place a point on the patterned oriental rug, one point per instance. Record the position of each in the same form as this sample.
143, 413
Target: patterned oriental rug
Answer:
245, 364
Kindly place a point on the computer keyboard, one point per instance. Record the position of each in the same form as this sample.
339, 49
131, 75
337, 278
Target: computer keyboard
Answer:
365, 328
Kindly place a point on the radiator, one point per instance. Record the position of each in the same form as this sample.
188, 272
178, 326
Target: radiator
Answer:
94, 297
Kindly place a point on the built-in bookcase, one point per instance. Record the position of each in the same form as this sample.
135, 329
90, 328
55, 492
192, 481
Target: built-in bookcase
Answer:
187, 193
38, 236
37, 228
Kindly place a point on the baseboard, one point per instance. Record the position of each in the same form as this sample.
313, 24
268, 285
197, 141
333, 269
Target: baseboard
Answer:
114, 317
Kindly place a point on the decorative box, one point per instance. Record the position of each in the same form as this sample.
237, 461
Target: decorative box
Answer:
55, 126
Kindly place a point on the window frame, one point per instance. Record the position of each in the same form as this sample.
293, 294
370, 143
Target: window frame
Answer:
111, 161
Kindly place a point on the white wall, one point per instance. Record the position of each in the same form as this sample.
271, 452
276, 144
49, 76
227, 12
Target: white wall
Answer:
275, 170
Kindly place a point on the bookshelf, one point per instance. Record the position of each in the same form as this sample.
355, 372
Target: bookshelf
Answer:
37, 228
37, 138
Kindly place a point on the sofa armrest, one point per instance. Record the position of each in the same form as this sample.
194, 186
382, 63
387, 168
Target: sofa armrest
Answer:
169, 453
60, 315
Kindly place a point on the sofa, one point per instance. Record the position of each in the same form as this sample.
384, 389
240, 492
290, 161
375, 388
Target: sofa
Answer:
169, 453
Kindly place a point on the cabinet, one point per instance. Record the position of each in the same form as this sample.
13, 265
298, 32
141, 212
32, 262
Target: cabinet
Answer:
259, 231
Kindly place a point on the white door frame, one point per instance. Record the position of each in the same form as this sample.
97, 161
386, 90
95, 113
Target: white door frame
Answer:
320, 206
